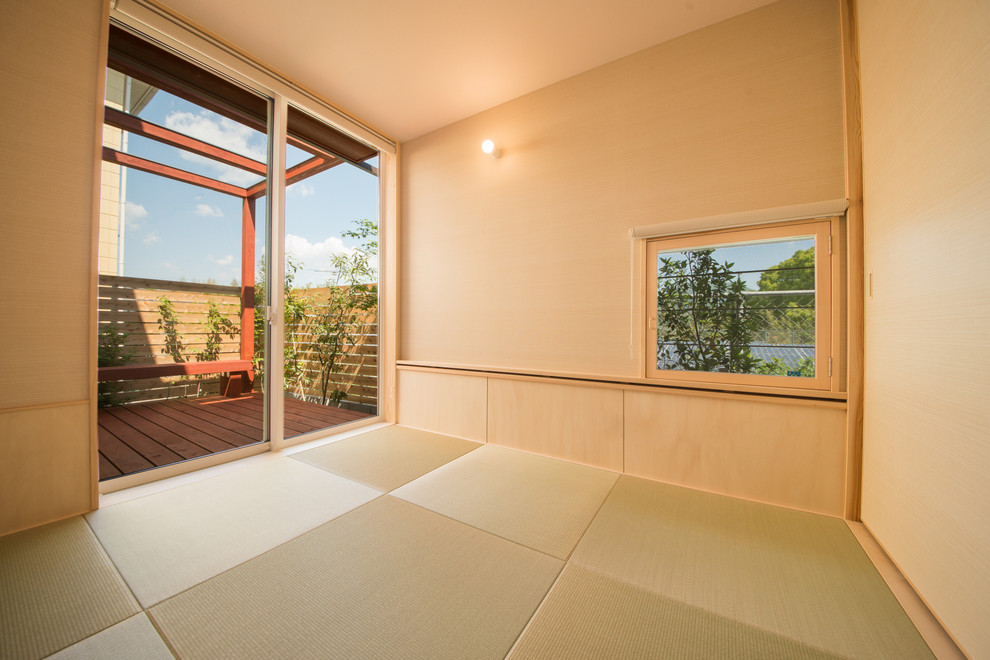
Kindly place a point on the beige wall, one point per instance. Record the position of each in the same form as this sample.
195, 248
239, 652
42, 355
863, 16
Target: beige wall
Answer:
524, 262
926, 470
52, 88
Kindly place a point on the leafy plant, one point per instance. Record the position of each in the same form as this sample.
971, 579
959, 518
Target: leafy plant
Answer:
789, 318
352, 296
169, 324
702, 319
111, 351
217, 324
295, 307
777, 367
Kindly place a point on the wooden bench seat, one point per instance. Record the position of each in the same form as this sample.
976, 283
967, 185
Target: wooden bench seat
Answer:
240, 379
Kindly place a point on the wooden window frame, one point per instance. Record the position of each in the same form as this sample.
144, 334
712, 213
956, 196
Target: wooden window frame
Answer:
827, 314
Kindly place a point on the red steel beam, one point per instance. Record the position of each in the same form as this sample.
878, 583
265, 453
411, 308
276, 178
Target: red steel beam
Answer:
134, 371
303, 170
247, 280
152, 131
137, 163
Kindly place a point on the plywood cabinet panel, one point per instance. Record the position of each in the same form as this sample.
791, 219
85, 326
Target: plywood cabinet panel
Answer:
445, 403
580, 424
781, 453
45, 466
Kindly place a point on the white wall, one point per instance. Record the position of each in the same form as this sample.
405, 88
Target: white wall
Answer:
926, 468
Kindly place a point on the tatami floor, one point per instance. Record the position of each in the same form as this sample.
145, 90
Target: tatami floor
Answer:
398, 543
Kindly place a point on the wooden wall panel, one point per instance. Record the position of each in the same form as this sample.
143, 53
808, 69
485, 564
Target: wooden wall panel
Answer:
44, 471
54, 55
926, 444
524, 262
789, 454
48, 168
575, 423
445, 403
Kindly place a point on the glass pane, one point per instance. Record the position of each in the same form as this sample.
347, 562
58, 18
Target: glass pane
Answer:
177, 257
331, 291
744, 308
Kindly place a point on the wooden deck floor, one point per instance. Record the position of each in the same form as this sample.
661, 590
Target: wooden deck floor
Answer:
142, 436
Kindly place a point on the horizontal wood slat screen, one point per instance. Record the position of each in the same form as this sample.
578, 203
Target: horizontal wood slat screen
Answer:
133, 307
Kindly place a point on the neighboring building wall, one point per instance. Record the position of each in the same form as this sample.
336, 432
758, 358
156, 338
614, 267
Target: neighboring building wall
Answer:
926, 463
111, 211
53, 84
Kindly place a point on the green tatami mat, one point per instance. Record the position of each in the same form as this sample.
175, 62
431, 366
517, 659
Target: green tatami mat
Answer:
388, 580
57, 587
799, 575
542, 503
131, 638
591, 616
169, 541
388, 457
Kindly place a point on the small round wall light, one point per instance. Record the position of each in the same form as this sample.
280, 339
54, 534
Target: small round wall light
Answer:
489, 148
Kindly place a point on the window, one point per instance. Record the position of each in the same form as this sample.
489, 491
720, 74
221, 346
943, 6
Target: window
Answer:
750, 306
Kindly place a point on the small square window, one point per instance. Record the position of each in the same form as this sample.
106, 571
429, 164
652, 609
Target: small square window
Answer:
749, 306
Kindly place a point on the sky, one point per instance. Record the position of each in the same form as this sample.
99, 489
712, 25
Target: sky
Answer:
747, 257
177, 231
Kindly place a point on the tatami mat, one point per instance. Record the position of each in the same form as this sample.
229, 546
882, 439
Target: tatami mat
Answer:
57, 586
132, 638
591, 616
799, 575
388, 580
169, 541
389, 457
542, 503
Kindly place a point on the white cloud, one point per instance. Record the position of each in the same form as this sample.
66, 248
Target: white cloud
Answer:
221, 132
302, 189
315, 255
315, 258
222, 261
134, 213
151, 238
207, 211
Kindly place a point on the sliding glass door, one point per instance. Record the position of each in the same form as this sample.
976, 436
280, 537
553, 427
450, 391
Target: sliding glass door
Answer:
330, 293
201, 319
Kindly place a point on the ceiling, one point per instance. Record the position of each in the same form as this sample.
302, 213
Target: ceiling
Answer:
408, 67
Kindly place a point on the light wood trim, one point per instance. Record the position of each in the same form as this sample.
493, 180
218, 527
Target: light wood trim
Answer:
855, 304
821, 230
939, 639
744, 219
94, 251
388, 277
799, 397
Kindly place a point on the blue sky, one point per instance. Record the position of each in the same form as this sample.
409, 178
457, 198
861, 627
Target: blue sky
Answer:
180, 231
745, 257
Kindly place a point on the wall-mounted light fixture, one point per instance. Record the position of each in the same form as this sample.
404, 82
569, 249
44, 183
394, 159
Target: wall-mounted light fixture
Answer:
489, 148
